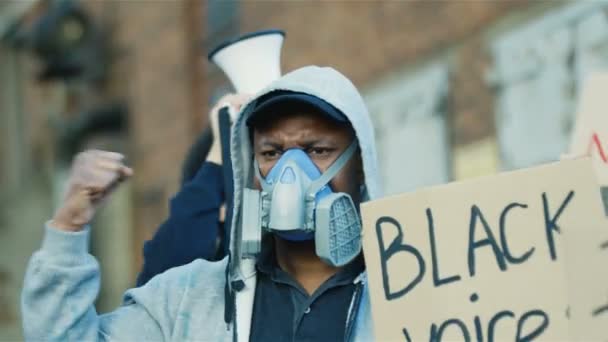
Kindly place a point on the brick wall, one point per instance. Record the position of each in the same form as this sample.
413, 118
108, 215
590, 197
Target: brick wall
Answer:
159, 69
368, 40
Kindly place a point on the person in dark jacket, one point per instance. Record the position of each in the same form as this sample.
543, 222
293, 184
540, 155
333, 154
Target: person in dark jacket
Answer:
196, 156
194, 228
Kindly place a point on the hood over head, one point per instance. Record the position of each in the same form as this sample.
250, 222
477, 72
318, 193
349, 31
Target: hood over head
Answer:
326, 84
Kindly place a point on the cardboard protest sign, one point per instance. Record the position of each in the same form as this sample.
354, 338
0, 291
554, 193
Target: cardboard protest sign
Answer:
512, 257
590, 135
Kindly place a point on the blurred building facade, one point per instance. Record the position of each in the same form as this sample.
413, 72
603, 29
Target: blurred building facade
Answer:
456, 89
117, 75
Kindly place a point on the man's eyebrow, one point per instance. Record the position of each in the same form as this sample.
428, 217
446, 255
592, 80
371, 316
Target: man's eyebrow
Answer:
321, 141
317, 141
304, 143
266, 143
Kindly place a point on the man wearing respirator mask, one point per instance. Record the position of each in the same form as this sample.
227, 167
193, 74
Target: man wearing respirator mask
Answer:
304, 158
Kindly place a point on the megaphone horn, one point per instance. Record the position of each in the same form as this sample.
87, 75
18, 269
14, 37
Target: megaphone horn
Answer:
251, 61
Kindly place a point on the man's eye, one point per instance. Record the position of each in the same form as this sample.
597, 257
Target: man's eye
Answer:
319, 151
271, 154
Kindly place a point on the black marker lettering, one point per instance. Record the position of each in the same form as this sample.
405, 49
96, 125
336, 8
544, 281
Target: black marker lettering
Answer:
601, 310
396, 246
537, 331
477, 320
494, 320
551, 222
489, 240
437, 280
478, 329
503, 236
436, 334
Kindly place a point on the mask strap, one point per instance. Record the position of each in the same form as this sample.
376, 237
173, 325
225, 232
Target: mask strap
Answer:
265, 186
333, 170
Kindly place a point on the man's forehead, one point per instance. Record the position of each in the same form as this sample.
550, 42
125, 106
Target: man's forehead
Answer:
301, 122
303, 129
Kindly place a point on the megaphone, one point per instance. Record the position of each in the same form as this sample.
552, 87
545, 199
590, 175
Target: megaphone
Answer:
251, 61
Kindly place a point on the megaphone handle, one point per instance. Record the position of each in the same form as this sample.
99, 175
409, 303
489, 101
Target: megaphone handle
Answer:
224, 127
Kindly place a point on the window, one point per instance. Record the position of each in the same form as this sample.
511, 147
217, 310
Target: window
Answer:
409, 117
537, 73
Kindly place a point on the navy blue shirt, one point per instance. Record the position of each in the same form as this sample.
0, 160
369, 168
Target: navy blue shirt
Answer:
191, 231
284, 311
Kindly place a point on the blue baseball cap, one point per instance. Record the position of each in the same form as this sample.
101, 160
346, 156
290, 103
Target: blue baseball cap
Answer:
280, 98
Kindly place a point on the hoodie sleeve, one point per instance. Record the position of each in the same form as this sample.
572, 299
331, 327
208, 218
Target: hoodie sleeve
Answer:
61, 286
191, 230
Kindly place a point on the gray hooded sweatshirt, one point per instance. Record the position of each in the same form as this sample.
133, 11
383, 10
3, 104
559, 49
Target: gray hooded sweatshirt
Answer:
185, 303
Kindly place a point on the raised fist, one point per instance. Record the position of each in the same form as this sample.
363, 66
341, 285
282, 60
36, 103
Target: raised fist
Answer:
94, 175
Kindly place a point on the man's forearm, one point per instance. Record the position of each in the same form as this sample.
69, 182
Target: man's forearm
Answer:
60, 288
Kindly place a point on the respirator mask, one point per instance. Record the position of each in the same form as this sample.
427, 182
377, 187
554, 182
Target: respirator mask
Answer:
297, 203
